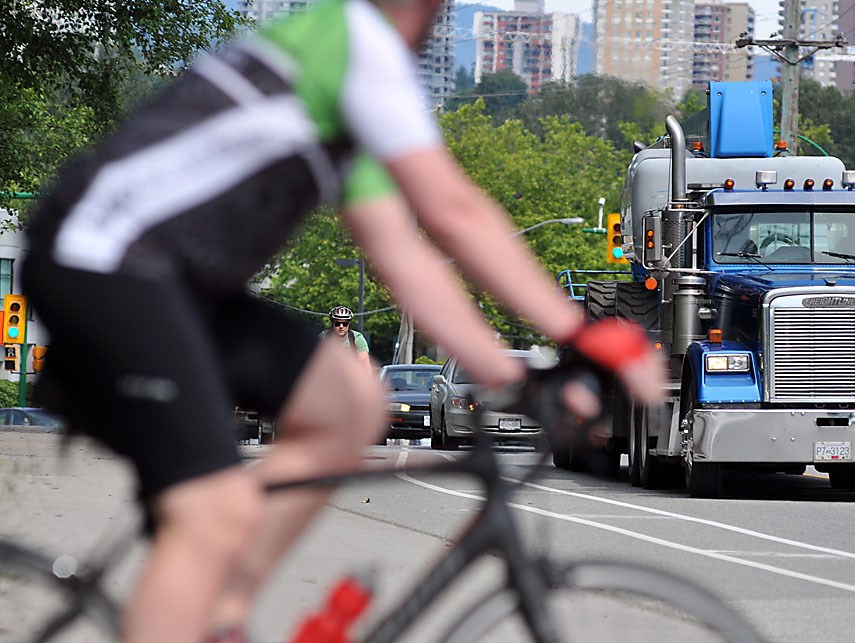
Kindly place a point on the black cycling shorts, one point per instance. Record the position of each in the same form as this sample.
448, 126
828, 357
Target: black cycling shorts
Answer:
153, 368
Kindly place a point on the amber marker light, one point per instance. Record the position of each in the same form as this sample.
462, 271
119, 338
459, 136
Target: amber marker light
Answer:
651, 284
716, 335
781, 146
728, 184
827, 184
789, 184
809, 183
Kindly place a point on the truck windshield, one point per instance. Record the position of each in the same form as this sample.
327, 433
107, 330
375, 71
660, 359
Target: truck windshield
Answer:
785, 237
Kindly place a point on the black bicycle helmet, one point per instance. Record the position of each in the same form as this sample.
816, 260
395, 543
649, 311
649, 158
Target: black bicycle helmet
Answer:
341, 313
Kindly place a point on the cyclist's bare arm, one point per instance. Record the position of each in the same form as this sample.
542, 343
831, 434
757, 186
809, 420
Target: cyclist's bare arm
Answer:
427, 287
474, 230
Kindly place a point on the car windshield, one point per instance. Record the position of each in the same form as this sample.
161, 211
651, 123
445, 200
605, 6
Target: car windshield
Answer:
410, 379
43, 418
784, 237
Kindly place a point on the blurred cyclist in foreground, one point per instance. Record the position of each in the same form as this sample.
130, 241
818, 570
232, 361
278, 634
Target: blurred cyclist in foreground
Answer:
165, 222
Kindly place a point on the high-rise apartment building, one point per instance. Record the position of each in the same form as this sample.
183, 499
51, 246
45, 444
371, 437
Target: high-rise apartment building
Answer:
436, 60
717, 25
537, 46
844, 71
819, 22
646, 41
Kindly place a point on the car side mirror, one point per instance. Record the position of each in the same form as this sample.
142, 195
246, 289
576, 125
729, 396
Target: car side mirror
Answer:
438, 379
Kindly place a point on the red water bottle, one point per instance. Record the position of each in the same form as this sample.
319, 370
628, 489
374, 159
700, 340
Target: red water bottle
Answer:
346, 601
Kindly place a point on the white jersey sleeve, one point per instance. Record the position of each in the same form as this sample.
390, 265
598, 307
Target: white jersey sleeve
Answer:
381, 101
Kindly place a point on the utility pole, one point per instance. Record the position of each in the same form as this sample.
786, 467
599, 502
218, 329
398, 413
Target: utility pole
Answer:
787, 50
790, 77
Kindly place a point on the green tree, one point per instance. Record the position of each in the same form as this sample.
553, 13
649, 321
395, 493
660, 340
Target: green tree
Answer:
305, 277
463, 79
561, 173
600, 104
69, 62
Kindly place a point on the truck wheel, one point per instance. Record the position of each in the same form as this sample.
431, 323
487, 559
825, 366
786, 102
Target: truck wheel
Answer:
561, 457
842, 476
703, 479
649, 468
635, 303
600, 299
634, 440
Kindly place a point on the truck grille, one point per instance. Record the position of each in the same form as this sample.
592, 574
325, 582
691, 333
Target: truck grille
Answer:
813, 354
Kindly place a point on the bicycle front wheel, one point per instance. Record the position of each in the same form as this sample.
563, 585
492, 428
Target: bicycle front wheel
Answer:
611, 602
41, 600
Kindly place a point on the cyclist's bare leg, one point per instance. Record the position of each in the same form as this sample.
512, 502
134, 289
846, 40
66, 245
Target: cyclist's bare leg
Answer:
335, 410
203, 525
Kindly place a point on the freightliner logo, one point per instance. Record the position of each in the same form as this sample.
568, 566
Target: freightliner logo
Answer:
829, 302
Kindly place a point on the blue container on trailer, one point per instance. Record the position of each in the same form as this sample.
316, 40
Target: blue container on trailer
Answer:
741, 119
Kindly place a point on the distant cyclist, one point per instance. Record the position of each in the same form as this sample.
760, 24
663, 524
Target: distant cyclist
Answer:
138, 262
340, 318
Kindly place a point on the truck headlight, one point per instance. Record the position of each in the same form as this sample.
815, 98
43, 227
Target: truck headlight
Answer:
738, 363
397, 407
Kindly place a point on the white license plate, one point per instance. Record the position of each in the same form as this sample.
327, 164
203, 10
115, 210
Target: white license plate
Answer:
823, 451
509, 424
427, 420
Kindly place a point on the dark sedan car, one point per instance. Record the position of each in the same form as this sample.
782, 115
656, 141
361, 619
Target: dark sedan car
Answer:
408, 398
30, 417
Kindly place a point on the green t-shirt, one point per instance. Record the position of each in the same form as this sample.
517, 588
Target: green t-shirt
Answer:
359, 339
356, 79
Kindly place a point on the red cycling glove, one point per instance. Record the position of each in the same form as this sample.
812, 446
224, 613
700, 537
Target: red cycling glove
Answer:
610, 344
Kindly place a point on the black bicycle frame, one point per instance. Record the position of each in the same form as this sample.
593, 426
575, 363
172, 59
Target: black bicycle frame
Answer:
493, 530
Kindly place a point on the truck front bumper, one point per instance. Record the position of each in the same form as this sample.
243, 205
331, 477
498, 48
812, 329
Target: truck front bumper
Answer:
768, 435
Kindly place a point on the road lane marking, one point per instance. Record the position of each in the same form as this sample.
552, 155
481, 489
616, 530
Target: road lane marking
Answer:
701, 521
707, 553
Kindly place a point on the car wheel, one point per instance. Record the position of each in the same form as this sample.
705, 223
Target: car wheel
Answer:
448, 443
435, 436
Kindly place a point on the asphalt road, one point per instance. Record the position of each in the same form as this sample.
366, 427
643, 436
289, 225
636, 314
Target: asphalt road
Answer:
780, 549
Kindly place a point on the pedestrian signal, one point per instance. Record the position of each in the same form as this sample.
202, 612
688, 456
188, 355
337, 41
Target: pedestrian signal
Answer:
14, 319
39, 353
614, 239
11, 359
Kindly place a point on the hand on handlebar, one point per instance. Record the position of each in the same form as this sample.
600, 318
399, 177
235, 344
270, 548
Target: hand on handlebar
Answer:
601, 356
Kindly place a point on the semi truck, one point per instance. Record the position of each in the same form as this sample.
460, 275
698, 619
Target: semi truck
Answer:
741, 262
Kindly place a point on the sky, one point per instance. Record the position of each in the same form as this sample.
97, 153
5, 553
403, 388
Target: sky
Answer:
766, 11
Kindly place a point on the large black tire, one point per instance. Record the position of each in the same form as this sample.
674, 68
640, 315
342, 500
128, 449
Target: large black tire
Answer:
600, 299
703, 479
650, 469
634, 445
842, 476
561, 456
635, 303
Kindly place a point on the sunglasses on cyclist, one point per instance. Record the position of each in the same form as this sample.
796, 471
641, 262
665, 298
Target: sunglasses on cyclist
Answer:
341, 323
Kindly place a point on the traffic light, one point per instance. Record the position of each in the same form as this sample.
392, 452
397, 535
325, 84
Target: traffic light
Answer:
14, 319
11, 358
614, 239
39, 353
